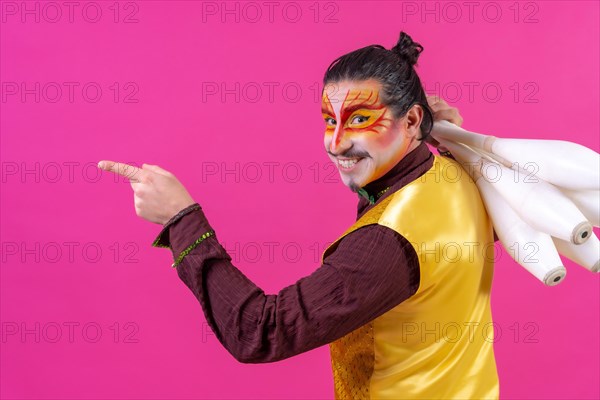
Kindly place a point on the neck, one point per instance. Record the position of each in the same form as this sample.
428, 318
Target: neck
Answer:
376, 188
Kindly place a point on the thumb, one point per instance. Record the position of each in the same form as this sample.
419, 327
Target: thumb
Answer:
156, 168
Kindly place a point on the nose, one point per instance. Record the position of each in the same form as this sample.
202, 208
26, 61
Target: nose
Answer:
339, 143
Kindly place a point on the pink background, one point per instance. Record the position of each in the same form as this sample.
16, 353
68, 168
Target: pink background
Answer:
137, 332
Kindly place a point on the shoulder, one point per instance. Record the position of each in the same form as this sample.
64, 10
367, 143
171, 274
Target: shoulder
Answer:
377, 249
373, 241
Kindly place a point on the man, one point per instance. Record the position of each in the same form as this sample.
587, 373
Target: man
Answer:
385, 292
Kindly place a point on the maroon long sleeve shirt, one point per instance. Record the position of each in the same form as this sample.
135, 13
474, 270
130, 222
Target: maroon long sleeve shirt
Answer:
372, 270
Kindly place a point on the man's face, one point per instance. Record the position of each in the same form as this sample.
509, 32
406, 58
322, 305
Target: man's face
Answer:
362, 137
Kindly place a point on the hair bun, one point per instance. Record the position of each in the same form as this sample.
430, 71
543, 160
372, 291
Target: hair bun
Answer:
407, 49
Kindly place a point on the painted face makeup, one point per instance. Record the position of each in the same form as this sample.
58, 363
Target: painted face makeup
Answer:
361, 136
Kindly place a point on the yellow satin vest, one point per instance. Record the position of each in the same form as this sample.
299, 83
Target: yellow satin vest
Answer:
437, 344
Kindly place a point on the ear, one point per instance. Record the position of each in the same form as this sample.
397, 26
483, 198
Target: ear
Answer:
412, 121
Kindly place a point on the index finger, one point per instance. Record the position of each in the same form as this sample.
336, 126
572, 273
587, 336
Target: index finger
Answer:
126, 170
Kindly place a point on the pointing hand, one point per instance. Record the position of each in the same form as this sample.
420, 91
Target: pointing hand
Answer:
157, 193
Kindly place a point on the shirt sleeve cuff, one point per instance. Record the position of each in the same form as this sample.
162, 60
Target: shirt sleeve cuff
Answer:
163, 240
187, 232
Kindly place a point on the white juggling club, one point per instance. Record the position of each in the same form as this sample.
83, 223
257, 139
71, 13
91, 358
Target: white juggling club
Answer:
562, 163
540, 204
588, 202
532, 249
587, 254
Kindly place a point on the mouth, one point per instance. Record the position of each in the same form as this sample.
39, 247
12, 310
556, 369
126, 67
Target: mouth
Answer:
348, 164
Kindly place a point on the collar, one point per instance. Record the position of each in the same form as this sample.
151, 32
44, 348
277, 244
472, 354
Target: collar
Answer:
370, 197
372, 191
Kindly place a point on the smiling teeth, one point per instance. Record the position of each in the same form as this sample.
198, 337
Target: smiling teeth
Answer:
348, 163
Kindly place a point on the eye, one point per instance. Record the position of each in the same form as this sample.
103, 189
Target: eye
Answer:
359, 119
330, 121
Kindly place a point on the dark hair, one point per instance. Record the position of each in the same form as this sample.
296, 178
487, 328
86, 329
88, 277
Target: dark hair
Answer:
394, 68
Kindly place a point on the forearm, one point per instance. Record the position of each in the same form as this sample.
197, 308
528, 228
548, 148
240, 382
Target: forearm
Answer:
252, 326
230, 301
233, 306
